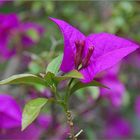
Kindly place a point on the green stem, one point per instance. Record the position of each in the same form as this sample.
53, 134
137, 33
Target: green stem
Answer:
68, 92
65, 105
68, 113
55, 93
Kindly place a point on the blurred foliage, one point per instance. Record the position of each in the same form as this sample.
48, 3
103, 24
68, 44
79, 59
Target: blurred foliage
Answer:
118, 17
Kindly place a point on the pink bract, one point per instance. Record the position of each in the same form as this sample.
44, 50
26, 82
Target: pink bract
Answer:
107, 50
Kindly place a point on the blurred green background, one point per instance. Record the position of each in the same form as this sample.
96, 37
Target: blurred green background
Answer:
117, 17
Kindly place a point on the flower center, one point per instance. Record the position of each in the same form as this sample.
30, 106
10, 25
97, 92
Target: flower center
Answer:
81, 62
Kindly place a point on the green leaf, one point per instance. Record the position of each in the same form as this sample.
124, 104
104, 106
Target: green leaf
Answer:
23, 79
54, 65
93, 91
53, 80
80, 85
90, 134
34, 68
31, 111
33, 34
72, 74
49, 77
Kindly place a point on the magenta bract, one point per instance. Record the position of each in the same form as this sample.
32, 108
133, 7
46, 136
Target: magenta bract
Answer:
10, 112
91, 54
117, 127
16, 34
117, 89
10, 121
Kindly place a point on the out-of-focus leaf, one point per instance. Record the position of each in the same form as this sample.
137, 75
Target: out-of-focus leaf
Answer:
80, 94
94, 92
49, 6
126, 98
34, 68
54, 65
31, 111
90, 134
23, 79
33, 34
80, 85
36, 6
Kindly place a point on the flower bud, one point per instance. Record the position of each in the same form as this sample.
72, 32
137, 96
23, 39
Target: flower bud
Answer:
79, 52
86, 60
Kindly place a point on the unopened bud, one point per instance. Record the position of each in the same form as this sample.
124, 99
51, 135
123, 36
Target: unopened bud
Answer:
79, 52
86, 60
77, 45
82, 43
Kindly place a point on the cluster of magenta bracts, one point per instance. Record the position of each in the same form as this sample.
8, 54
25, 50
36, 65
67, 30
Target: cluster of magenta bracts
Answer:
103, 51
10, 123
16, 35
81, 62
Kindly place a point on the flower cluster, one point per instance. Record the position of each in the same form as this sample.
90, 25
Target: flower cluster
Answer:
94, 57
16, 35
92, 54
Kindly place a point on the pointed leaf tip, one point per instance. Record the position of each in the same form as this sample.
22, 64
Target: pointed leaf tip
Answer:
80, 85
31, 111
23, 79
54, 65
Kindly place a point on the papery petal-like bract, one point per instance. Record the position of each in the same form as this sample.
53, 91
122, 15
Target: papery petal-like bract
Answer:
116, 92
117, 127
14, 33
70, 35
108, 50
33, 132
117, 89
10, 112
30, 29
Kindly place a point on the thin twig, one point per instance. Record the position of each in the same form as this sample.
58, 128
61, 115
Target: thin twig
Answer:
71, 125
79, 133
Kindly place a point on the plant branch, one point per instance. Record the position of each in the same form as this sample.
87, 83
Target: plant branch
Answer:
71, 125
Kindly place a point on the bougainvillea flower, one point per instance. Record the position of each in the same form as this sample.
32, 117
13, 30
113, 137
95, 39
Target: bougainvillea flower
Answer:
31, 33
133, 59
33, 132
10, 112
10, 121
15, 34
117, 89
44, 121
117, 127
8, 23
91, 54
